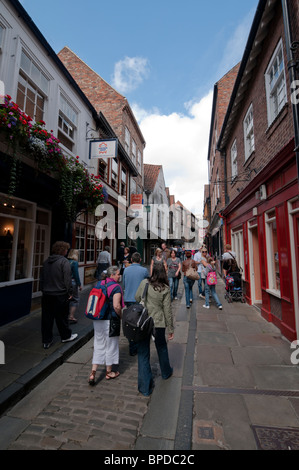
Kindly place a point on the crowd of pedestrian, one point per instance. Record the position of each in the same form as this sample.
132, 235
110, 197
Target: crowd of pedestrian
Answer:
125, 283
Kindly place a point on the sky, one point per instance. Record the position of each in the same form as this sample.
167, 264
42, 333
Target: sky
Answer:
164, 56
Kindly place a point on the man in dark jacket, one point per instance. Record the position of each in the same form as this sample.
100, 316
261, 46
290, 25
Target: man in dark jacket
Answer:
56, 286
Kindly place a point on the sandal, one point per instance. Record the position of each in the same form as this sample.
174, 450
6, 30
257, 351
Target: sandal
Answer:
109, 376
92, 377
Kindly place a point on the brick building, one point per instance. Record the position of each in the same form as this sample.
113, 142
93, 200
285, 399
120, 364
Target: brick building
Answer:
216, 163
257, 142
121, 178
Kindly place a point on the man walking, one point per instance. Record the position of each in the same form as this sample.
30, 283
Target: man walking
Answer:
197, 259
132, 277
56, 286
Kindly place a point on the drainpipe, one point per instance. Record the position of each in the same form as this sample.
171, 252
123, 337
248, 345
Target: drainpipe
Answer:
292, 67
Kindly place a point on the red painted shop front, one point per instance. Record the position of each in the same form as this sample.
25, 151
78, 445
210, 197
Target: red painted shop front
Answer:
262, 224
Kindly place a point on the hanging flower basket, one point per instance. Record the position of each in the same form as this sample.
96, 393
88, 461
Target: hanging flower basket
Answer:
77, 186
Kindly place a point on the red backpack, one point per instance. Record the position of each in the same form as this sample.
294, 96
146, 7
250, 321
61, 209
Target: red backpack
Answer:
97, 304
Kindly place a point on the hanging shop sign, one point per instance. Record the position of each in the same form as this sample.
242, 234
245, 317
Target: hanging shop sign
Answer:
103, 148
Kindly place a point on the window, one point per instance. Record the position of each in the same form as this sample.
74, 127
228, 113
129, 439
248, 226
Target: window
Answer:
127, 140
248, 133
67, 123
30, 100
238, 247
114, 173
33, 88
1, 37
17, 222
276, 84
133, 186
86, 241
134, 151
102, 171
234, 163
123, 182
272, 253
139, 161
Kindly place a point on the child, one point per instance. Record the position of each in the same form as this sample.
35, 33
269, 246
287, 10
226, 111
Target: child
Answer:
209, 266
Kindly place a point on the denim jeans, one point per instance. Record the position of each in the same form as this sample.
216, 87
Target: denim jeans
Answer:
173, 284
211, 289
145, 376
188, 283
201, 282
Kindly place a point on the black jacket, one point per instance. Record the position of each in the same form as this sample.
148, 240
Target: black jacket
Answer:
56, 276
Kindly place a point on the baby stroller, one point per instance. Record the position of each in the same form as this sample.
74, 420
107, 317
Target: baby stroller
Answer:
234, 287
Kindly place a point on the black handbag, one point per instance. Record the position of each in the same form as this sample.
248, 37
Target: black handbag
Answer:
114, 328
137, 323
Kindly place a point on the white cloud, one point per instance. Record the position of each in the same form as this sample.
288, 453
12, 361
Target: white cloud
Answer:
179, 142
235, 46
129, 73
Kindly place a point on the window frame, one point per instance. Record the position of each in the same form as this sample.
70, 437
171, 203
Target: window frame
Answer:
280, 85
234, 160
248, 127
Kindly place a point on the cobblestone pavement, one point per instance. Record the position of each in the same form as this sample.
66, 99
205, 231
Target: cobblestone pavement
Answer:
107, 416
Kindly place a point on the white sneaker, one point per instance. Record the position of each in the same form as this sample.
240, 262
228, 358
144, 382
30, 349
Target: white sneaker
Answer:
175, 298
201, 296
220, 307
206, 306
71, 338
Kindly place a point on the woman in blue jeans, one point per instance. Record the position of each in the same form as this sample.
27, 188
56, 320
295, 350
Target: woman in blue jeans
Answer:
188, 283
158, 303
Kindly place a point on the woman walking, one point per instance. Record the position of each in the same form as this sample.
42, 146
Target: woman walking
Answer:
188, 283
158, 259
106, 348
174, 270
73, 258
158, 303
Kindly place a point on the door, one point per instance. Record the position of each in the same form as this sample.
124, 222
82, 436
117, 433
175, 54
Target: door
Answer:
254, 260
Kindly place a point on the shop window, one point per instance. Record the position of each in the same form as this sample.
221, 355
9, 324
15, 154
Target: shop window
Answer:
41, 247
86, 241
272, 253
16, 235
276, 90
238, 247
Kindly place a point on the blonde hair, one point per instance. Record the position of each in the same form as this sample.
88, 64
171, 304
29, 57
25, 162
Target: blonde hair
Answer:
158, 251
73, 254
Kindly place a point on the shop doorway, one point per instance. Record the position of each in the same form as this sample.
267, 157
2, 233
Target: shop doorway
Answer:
254, 264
